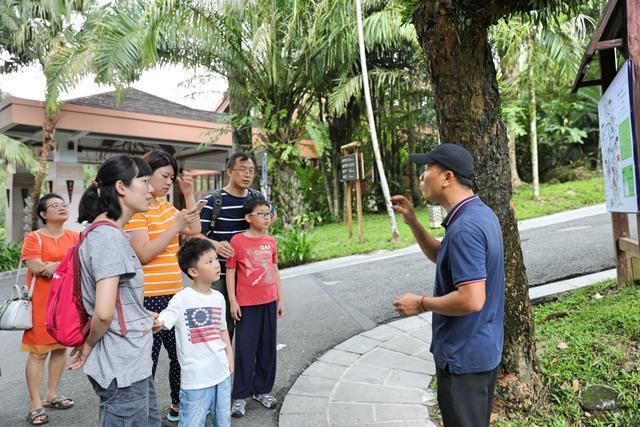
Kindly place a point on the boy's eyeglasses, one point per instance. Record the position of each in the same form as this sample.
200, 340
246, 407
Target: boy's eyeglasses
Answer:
262, 214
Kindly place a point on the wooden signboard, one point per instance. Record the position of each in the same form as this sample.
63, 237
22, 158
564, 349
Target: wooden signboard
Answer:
352, 173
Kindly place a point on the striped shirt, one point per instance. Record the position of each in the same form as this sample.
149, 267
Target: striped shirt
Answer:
162, 275
230, 222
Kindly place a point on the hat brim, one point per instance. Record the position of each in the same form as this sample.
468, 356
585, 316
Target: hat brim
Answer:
421, 158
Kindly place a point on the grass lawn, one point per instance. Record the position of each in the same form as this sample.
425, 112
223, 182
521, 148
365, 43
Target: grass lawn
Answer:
558, 197
589, 337
332, 240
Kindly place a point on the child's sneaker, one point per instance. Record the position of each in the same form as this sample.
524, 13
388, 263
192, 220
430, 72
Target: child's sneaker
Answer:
238, 408
267, 400
174, 414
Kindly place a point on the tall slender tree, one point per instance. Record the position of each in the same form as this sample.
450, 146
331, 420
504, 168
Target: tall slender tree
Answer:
395, 235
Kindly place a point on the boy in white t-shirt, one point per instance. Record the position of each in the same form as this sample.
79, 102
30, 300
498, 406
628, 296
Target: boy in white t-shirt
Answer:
204, 348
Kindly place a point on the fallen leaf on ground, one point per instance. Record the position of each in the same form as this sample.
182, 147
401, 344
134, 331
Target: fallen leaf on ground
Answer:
576, 385
562, 345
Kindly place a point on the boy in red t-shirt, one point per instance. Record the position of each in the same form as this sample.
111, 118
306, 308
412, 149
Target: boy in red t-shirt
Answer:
256, 302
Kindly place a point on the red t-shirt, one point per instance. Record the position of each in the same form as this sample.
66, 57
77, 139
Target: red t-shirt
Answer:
255, 259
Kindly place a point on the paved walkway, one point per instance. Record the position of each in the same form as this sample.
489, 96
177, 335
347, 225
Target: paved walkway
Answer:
381, 377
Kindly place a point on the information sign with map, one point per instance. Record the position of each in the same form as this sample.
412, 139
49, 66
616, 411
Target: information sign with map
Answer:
617, 142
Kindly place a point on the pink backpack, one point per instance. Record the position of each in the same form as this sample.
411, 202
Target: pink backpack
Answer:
66, 320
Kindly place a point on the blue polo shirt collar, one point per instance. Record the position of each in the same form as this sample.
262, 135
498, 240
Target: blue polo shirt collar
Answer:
453, 212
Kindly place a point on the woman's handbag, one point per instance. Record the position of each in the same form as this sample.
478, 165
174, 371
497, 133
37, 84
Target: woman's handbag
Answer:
16, 312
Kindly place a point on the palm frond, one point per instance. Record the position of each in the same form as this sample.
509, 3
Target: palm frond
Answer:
17, 153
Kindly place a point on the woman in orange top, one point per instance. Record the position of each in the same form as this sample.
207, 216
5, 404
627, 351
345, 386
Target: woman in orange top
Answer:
155, 239
42, 251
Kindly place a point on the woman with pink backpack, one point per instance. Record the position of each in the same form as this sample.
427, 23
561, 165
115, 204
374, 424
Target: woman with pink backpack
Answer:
42, 251
116, 352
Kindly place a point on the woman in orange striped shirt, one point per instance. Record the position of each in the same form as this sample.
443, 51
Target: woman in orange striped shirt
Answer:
155, 239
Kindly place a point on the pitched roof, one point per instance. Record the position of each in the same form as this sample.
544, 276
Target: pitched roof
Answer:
137, 101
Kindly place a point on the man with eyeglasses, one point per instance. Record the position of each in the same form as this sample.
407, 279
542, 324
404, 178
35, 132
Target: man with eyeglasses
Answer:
222, 217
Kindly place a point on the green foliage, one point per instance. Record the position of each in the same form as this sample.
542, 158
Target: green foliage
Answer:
600, 328
295, 247
9, 253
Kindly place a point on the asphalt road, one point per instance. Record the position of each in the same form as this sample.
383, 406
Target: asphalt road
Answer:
325, 308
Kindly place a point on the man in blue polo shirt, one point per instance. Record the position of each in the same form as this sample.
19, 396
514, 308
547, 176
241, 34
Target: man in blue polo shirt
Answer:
468, 298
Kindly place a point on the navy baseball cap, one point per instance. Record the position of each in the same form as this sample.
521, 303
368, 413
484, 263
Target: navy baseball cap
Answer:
453, 157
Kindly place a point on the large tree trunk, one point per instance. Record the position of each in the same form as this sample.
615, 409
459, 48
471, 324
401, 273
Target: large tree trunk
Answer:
48, 145
468, 111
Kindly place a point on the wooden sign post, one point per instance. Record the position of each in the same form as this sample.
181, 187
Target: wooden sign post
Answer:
352, 171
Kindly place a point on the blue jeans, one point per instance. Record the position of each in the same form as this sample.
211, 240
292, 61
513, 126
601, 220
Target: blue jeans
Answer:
194, 405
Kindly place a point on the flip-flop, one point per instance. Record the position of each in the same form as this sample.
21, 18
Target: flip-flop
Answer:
59, 402
37, 417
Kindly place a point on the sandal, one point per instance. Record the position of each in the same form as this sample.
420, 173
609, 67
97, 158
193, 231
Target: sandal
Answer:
59, 402
37, 417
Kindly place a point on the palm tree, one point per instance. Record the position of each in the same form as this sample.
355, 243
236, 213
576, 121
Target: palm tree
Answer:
274, 53
531, 56
35, 31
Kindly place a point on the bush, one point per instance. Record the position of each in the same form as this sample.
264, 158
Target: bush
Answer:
295, 247
9, 254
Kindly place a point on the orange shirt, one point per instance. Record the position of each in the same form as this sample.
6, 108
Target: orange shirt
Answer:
162, 275
48, 249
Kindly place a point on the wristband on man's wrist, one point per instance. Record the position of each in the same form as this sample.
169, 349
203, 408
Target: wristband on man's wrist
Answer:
422, 304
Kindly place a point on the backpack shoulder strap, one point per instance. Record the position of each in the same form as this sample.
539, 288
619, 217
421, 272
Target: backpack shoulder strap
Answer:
77, 275
217, 205
253, 193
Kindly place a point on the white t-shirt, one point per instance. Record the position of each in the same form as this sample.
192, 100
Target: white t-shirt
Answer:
199, 320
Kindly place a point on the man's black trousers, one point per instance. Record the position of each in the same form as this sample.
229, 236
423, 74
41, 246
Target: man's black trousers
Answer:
465, 400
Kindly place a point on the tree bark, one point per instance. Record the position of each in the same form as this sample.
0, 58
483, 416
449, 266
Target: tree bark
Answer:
287, 194
533, 131
513, 162
416, 194
467, 105
48, 145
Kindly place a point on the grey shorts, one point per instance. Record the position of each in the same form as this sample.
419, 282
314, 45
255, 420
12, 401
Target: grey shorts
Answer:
131, 406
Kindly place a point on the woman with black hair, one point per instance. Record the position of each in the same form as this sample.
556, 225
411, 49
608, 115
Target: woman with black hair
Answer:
115, 354
155, 238
42, 251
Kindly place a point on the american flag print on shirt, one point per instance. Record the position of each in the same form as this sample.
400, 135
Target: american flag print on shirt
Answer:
203, 324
